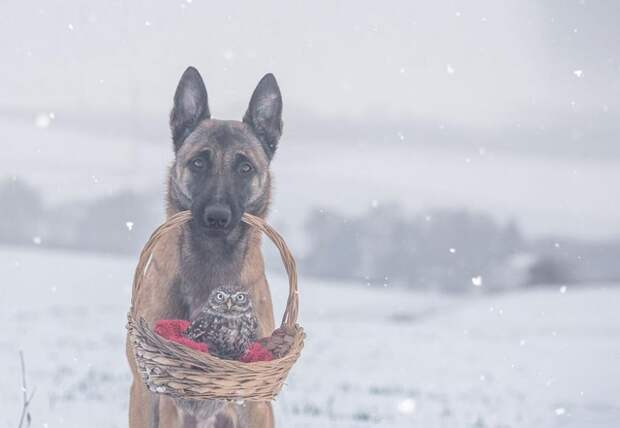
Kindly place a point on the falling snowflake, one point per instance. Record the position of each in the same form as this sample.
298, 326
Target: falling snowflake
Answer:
70, 27
37, 240
374, 203
563, 289
407, 406
452, 250
560, 411
449, 69
578, 73
129, 225
44, 120
477, 281
147, 23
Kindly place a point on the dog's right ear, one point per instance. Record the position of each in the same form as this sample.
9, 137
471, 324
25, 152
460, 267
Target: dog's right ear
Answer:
191, 105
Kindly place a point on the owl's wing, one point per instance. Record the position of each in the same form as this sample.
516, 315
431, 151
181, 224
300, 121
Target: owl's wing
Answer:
197, 329
252, 327
254, 324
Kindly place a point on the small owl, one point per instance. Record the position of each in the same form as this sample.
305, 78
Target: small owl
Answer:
226, 323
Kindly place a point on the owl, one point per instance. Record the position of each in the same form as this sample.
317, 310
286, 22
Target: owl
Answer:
226, 323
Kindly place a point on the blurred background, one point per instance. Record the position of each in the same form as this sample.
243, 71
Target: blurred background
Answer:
448, 180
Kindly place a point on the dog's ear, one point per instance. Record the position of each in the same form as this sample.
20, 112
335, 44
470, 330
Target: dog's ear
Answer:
264, 114
191, 105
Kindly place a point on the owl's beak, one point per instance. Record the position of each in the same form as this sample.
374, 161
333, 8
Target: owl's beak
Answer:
229, 304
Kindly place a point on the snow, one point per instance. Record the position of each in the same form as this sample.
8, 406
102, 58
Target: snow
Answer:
43, 120
374, 356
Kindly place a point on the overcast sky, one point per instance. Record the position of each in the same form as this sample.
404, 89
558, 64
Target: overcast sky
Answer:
482, 63
454, 82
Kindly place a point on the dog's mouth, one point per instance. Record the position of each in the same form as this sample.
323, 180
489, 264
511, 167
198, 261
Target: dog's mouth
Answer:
216, 233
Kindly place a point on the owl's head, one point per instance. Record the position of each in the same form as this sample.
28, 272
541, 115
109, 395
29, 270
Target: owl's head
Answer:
224, 299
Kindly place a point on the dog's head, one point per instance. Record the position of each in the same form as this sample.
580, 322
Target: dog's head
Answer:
221, 167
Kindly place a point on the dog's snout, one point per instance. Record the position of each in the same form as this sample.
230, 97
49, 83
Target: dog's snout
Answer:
217, 217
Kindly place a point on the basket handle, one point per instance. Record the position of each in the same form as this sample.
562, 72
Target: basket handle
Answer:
292, 304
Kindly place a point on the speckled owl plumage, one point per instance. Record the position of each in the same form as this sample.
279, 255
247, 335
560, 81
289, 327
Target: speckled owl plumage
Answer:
227, 323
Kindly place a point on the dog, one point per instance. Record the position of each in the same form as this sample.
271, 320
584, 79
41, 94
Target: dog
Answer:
220, 171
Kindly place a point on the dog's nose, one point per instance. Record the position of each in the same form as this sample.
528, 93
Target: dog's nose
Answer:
217, 217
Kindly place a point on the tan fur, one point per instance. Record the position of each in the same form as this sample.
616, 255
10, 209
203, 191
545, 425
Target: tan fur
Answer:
152, 304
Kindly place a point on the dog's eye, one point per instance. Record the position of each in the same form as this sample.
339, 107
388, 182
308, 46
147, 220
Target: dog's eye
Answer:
198, 163
245, 168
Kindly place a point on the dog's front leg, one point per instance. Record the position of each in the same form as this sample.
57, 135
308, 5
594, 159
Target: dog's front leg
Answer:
153, 410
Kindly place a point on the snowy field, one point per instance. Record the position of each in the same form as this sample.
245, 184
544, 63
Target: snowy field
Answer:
373, 357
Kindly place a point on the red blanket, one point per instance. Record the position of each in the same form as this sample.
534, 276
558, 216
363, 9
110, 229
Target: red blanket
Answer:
173, 330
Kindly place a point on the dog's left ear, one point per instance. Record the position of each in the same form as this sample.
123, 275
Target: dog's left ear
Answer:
264, 114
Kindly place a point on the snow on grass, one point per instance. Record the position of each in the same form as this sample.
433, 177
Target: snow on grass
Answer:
373, 356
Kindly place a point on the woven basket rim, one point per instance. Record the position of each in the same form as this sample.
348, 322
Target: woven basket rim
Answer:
291, 312
142, 324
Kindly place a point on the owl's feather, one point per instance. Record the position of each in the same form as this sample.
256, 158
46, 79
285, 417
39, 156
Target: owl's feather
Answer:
228, 330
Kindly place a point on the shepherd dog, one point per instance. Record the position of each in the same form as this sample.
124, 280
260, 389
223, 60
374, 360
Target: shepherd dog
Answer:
221, 170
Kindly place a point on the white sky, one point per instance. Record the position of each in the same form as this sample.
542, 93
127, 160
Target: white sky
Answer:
482, 63
509, 69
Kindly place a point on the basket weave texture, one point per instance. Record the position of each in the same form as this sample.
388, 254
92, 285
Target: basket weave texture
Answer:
175, 370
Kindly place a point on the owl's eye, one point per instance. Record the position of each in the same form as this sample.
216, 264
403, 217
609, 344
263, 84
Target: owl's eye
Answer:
219, 296
240, 298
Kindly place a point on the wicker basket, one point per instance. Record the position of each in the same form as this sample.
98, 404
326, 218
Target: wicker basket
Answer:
175, 370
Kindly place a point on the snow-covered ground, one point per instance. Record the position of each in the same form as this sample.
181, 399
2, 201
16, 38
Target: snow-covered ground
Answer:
373, 357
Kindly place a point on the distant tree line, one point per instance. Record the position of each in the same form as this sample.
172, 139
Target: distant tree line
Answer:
119, 223
452, 250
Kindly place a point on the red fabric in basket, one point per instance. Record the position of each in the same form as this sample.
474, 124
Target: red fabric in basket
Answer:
256, 352
173, 330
